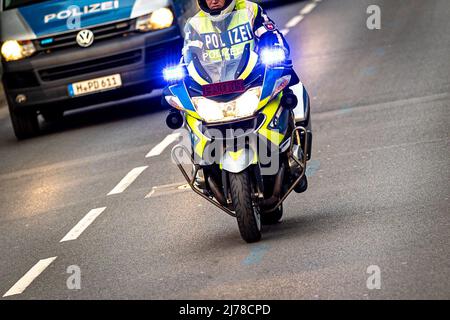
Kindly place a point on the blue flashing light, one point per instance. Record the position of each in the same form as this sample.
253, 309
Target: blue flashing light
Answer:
272, 56
175, 73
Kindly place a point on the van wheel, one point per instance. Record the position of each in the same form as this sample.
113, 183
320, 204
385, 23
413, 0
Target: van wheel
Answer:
25, 123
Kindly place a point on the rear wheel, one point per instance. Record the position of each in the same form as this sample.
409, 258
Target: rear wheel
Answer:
24, 122
247, 216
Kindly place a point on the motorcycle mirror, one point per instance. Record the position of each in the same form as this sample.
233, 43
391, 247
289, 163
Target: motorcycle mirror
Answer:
289, 101
174, 120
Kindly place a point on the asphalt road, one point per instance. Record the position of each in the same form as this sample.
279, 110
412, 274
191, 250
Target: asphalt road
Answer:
378, 188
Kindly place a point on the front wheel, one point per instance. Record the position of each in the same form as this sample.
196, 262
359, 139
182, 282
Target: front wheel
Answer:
25, 123
248, 217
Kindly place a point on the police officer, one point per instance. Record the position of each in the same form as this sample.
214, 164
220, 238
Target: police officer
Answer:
259, 31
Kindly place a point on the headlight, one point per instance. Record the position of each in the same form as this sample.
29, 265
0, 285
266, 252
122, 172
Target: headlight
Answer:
244, 106
15, 50
159, 19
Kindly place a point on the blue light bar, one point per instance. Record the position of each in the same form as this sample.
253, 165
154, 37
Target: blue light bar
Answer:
272, 57
175, 73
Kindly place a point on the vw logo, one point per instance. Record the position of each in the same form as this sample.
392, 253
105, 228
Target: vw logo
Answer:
85, 38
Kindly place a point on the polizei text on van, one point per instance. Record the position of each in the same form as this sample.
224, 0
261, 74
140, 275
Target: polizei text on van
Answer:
76, 11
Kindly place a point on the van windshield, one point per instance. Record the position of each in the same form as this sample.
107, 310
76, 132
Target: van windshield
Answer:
11, 4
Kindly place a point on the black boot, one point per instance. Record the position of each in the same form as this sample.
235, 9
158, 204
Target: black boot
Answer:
302, 186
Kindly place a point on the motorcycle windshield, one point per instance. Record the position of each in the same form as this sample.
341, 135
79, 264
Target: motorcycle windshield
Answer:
217, 47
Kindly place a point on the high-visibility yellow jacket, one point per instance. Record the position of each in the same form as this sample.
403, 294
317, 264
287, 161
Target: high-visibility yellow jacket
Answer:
221, 40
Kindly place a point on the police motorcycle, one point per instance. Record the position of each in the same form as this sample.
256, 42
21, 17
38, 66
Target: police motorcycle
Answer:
248, 121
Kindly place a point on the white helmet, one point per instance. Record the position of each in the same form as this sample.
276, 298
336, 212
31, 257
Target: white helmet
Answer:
218, 15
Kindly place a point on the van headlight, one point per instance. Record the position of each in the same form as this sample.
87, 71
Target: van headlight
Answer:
244, 106
158, 19
15, 50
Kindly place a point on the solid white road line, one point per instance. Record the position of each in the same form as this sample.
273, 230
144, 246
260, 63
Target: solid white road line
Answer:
156, 151
83, 224
29, 277
127, 181
294, 21
308, 8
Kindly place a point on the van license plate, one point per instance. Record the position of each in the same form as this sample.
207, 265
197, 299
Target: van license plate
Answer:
95, 85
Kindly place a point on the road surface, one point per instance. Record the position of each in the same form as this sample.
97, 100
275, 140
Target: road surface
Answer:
378, 197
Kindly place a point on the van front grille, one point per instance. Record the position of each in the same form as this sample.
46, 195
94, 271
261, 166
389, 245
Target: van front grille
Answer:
90, 66
68, 39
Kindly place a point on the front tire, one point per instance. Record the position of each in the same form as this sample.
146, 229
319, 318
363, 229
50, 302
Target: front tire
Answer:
25, 123
247, 216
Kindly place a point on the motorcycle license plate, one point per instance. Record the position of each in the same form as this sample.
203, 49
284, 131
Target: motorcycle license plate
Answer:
95, 85
222, 88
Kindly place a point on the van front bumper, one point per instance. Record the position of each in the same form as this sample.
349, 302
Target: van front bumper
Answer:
44, 78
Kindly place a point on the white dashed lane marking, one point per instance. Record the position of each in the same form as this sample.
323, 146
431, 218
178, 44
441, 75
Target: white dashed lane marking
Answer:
294, 21
128, 180
157, 150
308, 8
29, 277
83, 224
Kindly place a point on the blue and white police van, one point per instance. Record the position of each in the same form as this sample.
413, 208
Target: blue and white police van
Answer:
59, 55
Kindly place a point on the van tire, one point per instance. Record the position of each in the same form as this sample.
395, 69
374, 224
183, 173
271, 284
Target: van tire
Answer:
25, 123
